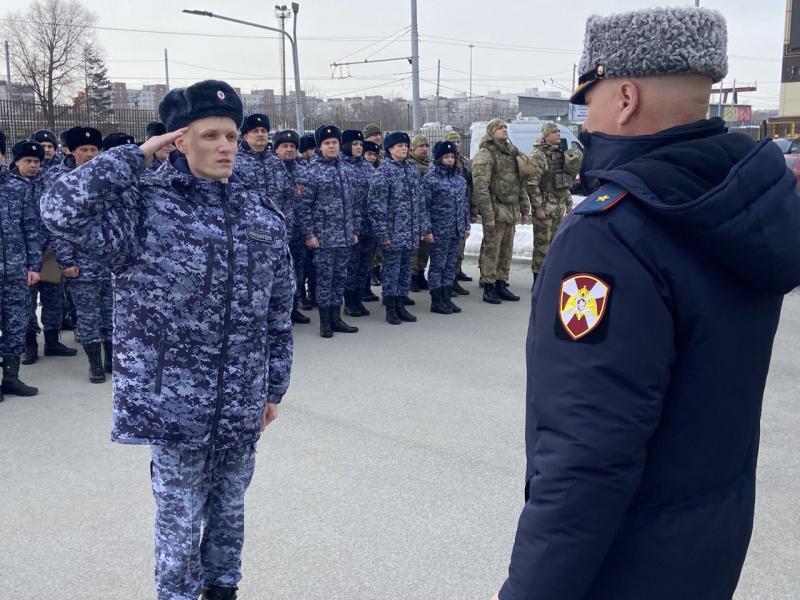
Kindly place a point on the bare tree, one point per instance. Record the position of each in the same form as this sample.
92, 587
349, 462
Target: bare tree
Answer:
47, 44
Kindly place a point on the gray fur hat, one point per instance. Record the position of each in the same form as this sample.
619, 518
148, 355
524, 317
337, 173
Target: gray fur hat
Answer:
650, 42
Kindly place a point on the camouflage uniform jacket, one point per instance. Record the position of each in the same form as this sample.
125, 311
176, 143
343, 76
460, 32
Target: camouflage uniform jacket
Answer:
396, 206
290, 202
464, 166
66, 165
498, 188
445, 193
37, 185
47, 165
555, 172
360, 173
423, 164
262, 172
19, 230
202, 296
327, 209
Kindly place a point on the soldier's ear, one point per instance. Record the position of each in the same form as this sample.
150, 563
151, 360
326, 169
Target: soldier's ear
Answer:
180, 143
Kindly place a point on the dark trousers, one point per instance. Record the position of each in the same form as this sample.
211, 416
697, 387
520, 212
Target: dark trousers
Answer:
14, 316
94, 309
360, 263
444, 256
396, 273
52, 297
299, 252
331, 268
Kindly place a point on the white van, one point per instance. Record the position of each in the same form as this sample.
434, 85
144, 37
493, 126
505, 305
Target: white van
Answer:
522, 133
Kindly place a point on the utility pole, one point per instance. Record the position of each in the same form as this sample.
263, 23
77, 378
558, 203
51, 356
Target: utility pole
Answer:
9, 94
282, 13
471, 46
414, 68
86, 81
438, 80
574, 70
166, 68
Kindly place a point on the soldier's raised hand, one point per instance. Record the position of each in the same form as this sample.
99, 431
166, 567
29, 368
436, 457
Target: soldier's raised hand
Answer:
159, 141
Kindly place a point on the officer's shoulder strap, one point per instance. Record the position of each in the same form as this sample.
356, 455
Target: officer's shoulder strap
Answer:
605, 198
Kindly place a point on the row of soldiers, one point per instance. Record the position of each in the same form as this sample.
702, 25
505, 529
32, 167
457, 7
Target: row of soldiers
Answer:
360, 209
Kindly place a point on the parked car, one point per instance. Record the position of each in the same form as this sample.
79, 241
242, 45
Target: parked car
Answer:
788, 145
522, 133
793, 162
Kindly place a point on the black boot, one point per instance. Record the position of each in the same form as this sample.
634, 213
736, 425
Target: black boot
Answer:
108, 356
458, 290
406, 301
367, 295
362, 310
219, 593
305, 303
337, 324
490, 295
351, 309
391, 310
53, 347
415, 282
423, 283
461, 276
448, 298
11, 381
501, 287
31, 348
68, 323
325, 323
376, 275
297, 316
97, 373
437, 304
403, 313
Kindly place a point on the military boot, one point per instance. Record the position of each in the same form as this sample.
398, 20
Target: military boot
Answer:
391, 310
53, 347
414, 282
363, 311
11, 381
216, 592
375, 276
367, 295
68, 323
297, 316
305, 303
97, 373
461, 276
406, 301
458, 290
337, 324
448, 298
31, 348
423, 283
501, 287
108, 355
350, 307
490, 295
325, 323
437, 303
404, 314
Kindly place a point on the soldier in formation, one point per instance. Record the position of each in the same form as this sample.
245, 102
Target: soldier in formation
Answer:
549, 190
464, 166
420, 158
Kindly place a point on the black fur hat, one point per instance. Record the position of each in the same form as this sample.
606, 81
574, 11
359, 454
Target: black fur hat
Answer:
45, 135
396, 137
443, 147
25, 148
352, 135
325, 132
209, 98
82, 136
370, 146
112, 140
287, 136
307, 142
255, 120
155, 128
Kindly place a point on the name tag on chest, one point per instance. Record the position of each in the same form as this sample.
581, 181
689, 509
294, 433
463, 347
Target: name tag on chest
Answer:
266, 237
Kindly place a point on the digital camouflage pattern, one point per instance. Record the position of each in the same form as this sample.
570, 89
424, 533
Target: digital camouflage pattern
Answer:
52, 298
202, 296
396, 207
360, 173
264, 173
94, 306
396, 271
330, 265
199, 530
15, 315
444, 258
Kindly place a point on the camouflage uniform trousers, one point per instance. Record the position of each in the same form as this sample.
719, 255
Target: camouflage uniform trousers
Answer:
199, 525
421, 256
496, 252
298, 252
94, 309
310, 274
52, 296
444, 256
462, 245
331, 267
543, 232
68, 303
15, 316
396, 273
360, 263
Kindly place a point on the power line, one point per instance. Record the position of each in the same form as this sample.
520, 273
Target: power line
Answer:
400, 31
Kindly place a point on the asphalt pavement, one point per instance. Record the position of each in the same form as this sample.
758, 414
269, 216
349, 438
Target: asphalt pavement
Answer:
394, 471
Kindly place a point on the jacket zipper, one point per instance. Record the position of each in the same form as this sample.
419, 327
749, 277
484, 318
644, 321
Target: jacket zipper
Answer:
227, 322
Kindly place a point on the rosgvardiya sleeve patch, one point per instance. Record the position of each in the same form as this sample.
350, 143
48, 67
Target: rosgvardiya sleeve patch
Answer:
582, 304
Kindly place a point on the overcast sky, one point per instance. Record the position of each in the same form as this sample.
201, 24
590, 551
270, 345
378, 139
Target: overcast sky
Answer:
517, 43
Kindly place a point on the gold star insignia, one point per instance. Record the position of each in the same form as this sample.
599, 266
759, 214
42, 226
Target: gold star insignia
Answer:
603, 198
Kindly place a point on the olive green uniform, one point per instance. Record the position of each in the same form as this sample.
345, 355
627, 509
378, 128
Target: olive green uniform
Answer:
422, 253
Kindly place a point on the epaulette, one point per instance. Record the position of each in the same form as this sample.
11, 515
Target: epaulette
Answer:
602, 200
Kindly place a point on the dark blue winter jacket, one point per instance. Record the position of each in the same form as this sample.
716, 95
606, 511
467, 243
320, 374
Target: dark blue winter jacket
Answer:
20, 243
360, 173
648, 349
396, 206
202, 296
445, 194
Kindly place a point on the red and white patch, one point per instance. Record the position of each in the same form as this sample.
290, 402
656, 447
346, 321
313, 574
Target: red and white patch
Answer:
582, 304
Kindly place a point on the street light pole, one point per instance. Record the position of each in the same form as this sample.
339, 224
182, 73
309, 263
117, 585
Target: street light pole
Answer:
283, 13
295, 9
